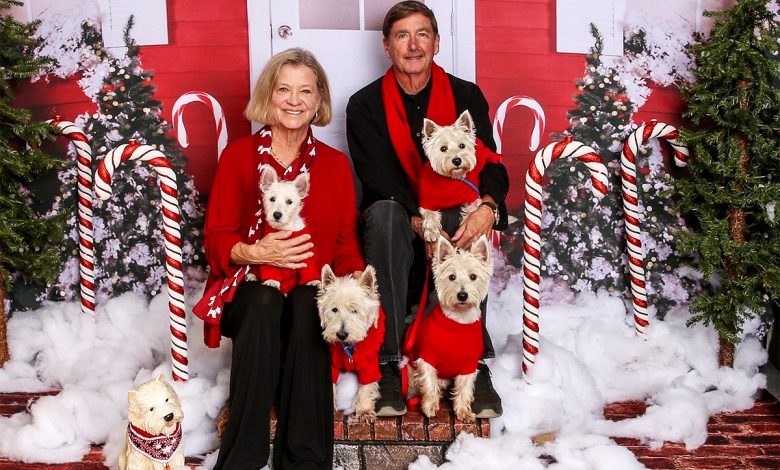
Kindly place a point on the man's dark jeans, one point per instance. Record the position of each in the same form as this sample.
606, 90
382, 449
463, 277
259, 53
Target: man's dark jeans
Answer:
389, 246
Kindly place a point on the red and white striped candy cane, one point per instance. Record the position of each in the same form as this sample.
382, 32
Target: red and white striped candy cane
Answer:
84, 189
214, 106
636, 256
173, 243
514, 101
533, 229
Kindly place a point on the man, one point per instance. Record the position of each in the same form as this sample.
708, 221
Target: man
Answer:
384, 125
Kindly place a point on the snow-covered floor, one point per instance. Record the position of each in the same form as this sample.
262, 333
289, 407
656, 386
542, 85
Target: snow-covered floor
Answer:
589, 356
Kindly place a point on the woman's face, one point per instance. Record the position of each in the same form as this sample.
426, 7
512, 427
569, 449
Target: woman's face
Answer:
295, 97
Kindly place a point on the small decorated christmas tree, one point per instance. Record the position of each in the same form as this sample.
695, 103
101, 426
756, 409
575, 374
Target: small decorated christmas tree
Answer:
27, 239
732, 194
128, 229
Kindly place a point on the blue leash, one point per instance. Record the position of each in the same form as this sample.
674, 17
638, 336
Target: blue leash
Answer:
471, 185
349, 350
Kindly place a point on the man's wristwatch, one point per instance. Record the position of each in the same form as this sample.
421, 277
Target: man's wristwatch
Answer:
493, 208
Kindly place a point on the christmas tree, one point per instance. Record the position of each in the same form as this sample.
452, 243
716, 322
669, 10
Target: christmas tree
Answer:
26, 238
731, 195
128, 229
585, 242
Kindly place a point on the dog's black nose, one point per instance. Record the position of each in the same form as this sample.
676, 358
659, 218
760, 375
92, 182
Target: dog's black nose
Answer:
168, 417
457, 161
277, 215
463, 296
342, 335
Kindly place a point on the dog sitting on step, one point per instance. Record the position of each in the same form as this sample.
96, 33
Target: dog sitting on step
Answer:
153, 440
448, 342
354, 325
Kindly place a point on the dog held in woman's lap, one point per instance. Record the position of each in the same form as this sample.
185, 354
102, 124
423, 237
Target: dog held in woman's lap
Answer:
449, 341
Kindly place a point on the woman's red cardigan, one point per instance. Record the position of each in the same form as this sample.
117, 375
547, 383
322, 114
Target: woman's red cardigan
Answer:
329, 211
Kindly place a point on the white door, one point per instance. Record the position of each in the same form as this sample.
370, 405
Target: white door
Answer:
346, 37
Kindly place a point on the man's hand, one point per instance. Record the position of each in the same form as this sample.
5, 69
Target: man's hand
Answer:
275, 249
478, 223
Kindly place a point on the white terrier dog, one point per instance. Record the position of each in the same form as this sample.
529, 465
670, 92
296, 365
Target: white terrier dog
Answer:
153, 440
282, 205
449, 341
354, 326
451, 151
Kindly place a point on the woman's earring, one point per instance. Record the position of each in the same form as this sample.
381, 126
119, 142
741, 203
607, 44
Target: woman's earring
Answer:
316, 115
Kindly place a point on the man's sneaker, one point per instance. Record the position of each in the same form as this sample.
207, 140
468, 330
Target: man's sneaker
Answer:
487, 403
391, 400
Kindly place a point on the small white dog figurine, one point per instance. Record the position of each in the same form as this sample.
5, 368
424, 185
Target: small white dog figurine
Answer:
449, 341
452, 153
153, 440
354, 325
282, 205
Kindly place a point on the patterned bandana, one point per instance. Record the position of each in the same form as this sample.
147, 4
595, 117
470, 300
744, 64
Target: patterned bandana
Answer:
221, 292
159, 448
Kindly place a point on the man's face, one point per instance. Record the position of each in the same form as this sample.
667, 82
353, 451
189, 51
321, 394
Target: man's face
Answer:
411, 45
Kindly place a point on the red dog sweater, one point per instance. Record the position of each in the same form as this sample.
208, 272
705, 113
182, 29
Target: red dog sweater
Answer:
289, 278
365, 356
451, 347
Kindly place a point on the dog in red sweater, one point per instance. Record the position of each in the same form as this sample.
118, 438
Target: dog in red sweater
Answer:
448, 341
354, 325
282, 205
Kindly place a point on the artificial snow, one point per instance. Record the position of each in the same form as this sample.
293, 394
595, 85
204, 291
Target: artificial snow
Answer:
589, 356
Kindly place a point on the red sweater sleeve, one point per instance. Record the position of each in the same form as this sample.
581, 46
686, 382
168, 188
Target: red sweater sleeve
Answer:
347, 257
232, 193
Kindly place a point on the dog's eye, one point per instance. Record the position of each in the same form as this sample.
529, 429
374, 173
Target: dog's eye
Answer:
288, 202
462, 146
272, 199
151, 409
443, 148
334, 310
166, 400
452, 277
473, 277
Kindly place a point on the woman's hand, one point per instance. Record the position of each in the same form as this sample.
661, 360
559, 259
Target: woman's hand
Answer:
275, 249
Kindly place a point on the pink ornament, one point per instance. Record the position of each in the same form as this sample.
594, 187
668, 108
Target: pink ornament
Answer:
533, 227
173, 243
84, 189
639, 137
216, 110
513, 102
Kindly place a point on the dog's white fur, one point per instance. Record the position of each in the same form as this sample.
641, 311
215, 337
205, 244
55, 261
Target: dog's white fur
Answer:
282, 204
454, 271
349, 307
452, 153
149, 404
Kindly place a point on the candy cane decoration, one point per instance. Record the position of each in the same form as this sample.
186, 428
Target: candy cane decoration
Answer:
513, 102
533, 227
84, 189
214, 106
173, 244
636, 256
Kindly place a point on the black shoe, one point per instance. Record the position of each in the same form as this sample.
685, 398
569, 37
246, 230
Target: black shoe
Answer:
391, 400
487, 403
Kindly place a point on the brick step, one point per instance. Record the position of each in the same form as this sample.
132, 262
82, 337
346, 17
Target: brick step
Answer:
92, 461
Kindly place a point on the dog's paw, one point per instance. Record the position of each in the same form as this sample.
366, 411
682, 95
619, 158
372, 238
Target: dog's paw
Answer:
272, 283
465, 415
366, 416
430, 408
315, 283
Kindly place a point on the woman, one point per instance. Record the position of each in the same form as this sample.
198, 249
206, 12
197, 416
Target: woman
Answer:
278, 350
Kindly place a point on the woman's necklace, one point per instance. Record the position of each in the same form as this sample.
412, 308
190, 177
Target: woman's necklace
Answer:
279, 161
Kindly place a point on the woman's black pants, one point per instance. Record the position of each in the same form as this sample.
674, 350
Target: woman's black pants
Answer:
277, 349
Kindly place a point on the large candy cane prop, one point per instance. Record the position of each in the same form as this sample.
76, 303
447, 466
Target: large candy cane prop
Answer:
173, 244
636, 257
214, 106
84, 189
533, 228
513, 102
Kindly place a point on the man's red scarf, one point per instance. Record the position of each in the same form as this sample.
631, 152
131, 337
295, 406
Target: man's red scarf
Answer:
441, 110
211, 305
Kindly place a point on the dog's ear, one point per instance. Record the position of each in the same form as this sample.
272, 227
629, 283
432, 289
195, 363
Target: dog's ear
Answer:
160, 377
465, 122
267, 177
443, 250
368, 280
302, 184
429, 127
481, 249
327, 276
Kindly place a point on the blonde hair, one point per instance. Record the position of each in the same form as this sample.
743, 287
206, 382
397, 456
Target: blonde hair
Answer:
259, 107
